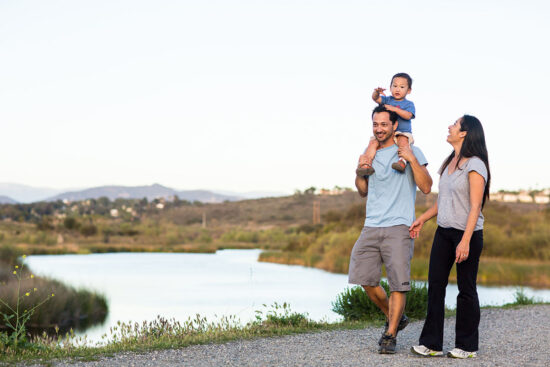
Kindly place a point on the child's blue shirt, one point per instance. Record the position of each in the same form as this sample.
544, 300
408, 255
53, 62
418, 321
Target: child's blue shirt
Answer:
404, 104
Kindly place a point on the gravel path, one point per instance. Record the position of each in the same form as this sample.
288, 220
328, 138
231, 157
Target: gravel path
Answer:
508, 337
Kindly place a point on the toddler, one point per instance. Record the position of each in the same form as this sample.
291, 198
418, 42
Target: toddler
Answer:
400, 87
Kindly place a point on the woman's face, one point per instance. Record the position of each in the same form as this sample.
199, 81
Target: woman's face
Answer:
455, 135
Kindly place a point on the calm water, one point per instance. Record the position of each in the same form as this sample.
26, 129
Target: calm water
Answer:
140, 286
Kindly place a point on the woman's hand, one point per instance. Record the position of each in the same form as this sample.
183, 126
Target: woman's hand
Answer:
414, 229
462, 251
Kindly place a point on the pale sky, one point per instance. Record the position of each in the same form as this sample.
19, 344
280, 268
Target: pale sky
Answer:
261, 95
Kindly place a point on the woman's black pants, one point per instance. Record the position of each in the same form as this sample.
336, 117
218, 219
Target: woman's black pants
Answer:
442, 258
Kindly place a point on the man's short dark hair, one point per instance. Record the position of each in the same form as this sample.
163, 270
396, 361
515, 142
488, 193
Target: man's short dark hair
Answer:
381, 108
403, 75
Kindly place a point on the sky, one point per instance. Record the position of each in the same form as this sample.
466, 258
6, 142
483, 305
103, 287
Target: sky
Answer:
261, 95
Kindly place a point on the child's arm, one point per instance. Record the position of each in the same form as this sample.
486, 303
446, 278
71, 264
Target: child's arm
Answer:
404, 114
376, 95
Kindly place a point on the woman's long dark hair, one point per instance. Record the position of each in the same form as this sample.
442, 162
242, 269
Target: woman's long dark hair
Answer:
472, 146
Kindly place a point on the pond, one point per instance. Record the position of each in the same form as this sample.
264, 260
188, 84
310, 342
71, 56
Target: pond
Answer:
140, 286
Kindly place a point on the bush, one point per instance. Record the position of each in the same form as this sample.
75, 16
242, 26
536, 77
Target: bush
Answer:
354, 304
281, 315
88, 229
71, 223
522, 299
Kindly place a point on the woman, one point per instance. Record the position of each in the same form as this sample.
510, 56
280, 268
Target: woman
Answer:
463, 190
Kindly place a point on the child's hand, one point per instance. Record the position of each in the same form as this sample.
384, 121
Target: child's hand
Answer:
380, 91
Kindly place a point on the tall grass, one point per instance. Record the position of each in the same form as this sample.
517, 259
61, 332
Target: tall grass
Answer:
354, 303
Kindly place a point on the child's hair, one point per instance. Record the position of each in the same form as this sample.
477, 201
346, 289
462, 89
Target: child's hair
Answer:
403, 75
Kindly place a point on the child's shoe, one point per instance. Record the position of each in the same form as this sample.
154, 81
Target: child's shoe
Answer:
365, 170
400, 165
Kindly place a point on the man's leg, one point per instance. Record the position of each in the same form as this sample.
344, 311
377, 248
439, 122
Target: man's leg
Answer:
396, 308
379, 297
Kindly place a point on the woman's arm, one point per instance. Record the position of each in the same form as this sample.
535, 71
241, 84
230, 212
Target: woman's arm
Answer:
414, 229
477, 188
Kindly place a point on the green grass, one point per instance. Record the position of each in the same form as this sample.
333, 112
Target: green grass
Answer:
168, 334
276, 320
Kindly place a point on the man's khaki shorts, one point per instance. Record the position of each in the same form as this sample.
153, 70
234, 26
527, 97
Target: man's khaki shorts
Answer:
392, 246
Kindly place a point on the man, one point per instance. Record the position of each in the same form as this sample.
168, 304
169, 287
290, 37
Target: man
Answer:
390, 211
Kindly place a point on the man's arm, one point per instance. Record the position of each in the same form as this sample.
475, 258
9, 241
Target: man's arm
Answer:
362, 182
362, 185
421, 175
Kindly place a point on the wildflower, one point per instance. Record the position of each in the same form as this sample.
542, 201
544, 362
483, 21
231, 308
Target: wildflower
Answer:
14, 272
24, 256
32, 276
27, 294
53, 295
35, 289
17, 266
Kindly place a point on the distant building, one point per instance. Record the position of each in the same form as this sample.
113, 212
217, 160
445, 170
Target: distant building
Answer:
510, 198
525, 197
335, 191
160, 206
114, 213
542, 199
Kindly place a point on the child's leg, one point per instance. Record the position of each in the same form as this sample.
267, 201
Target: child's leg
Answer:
370, 152
401, 140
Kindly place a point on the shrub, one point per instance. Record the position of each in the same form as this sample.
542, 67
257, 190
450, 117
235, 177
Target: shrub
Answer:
354, 303
522, 299
88, 229
70, 223
281, 315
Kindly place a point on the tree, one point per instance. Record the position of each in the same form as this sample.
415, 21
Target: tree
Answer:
310, 191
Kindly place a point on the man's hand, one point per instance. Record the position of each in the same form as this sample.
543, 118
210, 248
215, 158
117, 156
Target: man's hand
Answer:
406, 153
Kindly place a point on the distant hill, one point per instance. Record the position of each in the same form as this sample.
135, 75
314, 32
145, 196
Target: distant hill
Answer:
7, 200
255, 194
26, 194
138, 192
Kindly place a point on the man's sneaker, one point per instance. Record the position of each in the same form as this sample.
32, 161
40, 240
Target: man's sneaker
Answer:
402, 324
399, 166
364, 171
424, 351
388, 344
462, 354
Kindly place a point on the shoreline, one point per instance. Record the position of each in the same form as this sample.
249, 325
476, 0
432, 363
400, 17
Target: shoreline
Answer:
508, 336
493, 271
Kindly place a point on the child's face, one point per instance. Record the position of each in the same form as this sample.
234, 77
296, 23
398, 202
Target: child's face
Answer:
399, 88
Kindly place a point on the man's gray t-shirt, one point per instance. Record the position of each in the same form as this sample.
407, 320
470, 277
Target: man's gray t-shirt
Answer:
453, 202
391, 194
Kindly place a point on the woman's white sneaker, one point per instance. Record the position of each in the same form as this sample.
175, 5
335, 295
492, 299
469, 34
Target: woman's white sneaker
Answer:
424, 351
462, 354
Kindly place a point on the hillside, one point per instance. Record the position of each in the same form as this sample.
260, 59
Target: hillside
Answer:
150, 192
